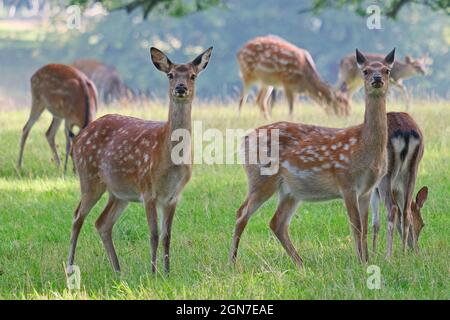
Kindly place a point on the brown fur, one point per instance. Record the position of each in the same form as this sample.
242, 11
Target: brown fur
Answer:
131, 159
272, 61
319, 164
405, 150
350, 79
106, 78
68, 95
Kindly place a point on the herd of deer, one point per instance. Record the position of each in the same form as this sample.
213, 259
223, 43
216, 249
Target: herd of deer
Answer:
130, 158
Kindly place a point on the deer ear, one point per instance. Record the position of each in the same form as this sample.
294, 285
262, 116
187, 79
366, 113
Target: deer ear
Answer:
360, 59
422, 196
389, 59
160, 60
202, 60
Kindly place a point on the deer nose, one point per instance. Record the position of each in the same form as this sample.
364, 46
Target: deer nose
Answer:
377, 78
181, 90
377, 81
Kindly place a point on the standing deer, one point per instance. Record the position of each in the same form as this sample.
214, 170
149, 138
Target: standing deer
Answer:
68, 95
405, 149
319, 164
272, 61
106, 78
131, 159
350, 79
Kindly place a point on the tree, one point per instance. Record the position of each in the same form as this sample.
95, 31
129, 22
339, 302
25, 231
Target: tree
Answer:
391, 8
174, 8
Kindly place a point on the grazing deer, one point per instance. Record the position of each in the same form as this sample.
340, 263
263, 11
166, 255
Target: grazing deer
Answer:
405, 149
131, 159
106, 78
319, 164
350, 79
68, 95
272, 61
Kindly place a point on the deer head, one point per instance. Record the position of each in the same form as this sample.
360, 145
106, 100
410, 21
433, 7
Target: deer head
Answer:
375, 73
418, 223
181, 76
421, 65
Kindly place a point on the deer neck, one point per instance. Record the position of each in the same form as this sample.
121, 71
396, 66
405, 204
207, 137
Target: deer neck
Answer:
321, 92
402, 70
374, 130
179, 126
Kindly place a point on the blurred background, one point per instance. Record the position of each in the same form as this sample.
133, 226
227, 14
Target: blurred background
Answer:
36, 32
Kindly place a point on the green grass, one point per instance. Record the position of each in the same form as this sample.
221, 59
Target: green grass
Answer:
37, 204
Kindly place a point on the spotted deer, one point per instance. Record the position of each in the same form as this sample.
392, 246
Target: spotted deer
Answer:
69, 96
132, 160
404, 149
350, 79
320, 164
274, 62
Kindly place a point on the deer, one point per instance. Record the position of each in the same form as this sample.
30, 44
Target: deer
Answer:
106, 78
132, 159
350, 80
320, 163
404, 150
274, 62
69, 96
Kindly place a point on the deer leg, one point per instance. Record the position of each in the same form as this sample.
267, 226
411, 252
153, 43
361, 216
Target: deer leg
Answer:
244, 95
69, 137
104, 225
88, 201
290, 99
280, 226
406, 223
375, 203
405, 94
152, 221
261, 101
168, 214
364, 215
36, 111
392, 213
247, 209
50, 135
351, 203
267, 102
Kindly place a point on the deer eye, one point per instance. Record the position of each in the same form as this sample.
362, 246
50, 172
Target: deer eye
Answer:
365, 72
170, 76
388, 71
193, 76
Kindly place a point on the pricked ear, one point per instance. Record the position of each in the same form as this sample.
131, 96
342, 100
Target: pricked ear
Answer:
390, 58
360, 59
160, 60
422, 196
202, 60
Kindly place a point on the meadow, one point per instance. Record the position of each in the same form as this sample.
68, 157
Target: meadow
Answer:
37, 204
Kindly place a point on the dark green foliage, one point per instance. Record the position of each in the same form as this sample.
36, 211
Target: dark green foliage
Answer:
391, 8
174, 8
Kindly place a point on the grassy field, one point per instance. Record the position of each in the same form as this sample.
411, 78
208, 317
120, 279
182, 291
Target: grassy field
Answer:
37, 204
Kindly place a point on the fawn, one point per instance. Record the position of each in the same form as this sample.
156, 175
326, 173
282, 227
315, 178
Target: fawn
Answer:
318, 164
131, 159
68, 95
405, 150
